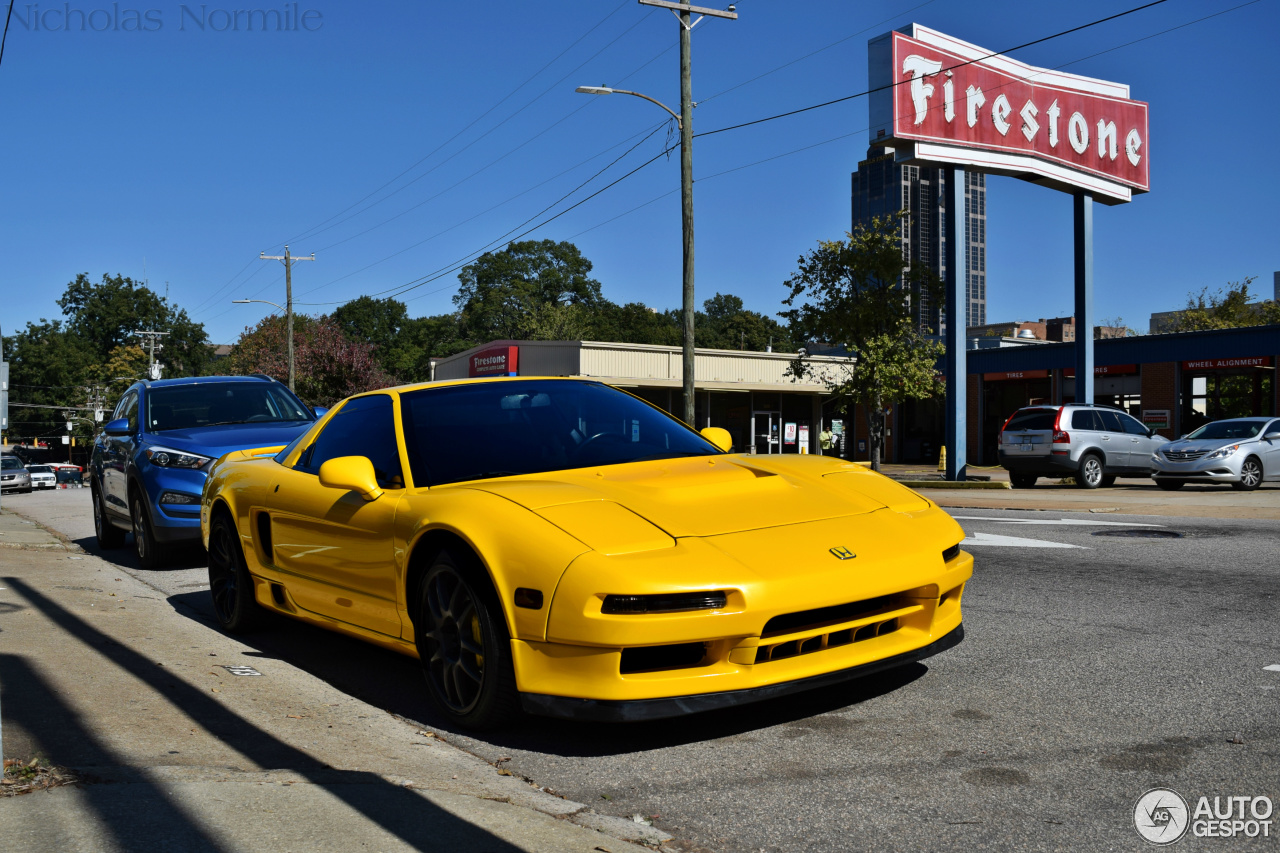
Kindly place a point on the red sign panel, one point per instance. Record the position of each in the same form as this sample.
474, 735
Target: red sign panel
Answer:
1015, 374
1227, 363
497, 361
1105, 370
964, 105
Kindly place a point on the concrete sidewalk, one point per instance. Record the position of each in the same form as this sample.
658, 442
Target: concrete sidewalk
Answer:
102, 674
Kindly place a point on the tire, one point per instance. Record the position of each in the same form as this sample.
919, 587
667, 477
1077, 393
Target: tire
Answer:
151, 554
108, 535
1023, 481
1171, 485
1250, 475
464, 644
1108, 480
1090, 475
230, 584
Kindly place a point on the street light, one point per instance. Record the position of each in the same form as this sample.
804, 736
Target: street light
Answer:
605, 90
290, 331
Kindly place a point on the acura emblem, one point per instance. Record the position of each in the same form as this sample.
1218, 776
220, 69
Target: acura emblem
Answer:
842, 553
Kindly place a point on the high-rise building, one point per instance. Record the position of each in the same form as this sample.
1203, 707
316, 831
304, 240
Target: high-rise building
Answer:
883, 188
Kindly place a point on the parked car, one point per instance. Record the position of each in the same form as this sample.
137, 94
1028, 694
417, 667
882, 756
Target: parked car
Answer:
70, 475
13, 475
1094, 444
1241, 451
151, 459
562, 547
43, 477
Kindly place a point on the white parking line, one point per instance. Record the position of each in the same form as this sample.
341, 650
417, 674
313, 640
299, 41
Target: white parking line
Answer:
1061, 521
978, 539
1275, 667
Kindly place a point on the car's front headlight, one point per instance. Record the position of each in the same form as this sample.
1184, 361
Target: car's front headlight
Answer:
167, 457
1223, 452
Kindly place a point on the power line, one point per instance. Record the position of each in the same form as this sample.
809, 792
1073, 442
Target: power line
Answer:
5, 37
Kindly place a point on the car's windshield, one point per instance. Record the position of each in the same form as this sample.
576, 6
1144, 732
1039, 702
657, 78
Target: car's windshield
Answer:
10, 462
1228, 429
215, 403
496, 429
40, 469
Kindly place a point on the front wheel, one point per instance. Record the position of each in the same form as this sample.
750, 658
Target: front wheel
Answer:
1090, 475
1250, 475
464, 645
151, 554
234, 606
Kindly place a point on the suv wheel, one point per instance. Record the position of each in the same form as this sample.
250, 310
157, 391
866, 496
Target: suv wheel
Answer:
1022, 481
1250, 475
1090, 475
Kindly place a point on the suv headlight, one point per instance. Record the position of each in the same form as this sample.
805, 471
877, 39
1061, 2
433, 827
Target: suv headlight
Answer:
1223, 452
167, 457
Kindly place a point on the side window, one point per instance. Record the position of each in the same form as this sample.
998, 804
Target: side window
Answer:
130, 410
1132, 427
364, 427
1110, 420
1086, 419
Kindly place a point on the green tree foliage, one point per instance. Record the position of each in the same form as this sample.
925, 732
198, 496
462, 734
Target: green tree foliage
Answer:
500, 290
1226, 308
635, 323
328, 366
48, 366
725, 324
106, 314
855, 293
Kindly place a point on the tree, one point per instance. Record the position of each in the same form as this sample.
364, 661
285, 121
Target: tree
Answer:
105, 316
858, 293
328, 366
48, 366
635, 323
725, 324
1225, 308
500, 289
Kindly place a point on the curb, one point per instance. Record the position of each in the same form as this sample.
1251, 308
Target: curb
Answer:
955, 484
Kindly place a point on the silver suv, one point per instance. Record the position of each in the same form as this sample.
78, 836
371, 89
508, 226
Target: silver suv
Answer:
1093, 444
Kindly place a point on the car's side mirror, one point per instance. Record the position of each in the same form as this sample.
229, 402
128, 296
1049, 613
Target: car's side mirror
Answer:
320, 411
120, 426
352, 474
1271, 436
718, 436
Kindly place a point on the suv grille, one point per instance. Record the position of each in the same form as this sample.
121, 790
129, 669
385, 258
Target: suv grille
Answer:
1183, 456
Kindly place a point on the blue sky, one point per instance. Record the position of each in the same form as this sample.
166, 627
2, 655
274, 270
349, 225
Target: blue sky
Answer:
395, 139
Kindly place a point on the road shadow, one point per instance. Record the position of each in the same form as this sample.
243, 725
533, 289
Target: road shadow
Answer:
66, 739
184, 556
394, 683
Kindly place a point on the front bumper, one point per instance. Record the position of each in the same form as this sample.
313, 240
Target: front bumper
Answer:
173, 522
17, 484
1200, 470
597, 710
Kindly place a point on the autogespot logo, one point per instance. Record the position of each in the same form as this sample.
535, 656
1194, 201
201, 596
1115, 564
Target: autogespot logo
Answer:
1161, 816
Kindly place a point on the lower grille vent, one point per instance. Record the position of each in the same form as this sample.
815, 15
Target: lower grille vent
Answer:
674, 656
843, 637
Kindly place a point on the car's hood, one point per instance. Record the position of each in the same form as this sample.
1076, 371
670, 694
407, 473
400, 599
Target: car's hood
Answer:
1201, 444
216, 440
709, 496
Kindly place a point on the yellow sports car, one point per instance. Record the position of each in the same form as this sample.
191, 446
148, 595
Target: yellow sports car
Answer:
563, 547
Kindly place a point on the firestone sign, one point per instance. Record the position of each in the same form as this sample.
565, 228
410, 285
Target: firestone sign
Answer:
495, 361
942, 100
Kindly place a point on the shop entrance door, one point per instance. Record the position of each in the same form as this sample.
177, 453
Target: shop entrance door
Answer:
767, 439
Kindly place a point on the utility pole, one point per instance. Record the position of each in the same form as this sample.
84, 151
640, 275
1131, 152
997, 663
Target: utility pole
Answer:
682, 11
288, 260
152, 345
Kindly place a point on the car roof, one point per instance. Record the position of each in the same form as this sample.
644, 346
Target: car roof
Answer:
203, 380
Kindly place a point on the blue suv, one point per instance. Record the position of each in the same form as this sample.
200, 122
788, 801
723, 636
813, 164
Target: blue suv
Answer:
151, 459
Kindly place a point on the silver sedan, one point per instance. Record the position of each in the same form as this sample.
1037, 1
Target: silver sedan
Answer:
1241, 451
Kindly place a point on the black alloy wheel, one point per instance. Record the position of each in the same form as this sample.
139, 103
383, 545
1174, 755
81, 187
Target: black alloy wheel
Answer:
151, 554
108, 535
1250, 475
234, 606
464, 645
1090, 475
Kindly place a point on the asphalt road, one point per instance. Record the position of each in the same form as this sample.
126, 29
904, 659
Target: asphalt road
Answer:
1095, 668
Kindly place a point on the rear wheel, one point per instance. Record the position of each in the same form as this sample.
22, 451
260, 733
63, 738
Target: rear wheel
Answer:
1090, 475
151, 554
234, 606
1022, 481
107, 534
1250, 475
464, 644
1170, 485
